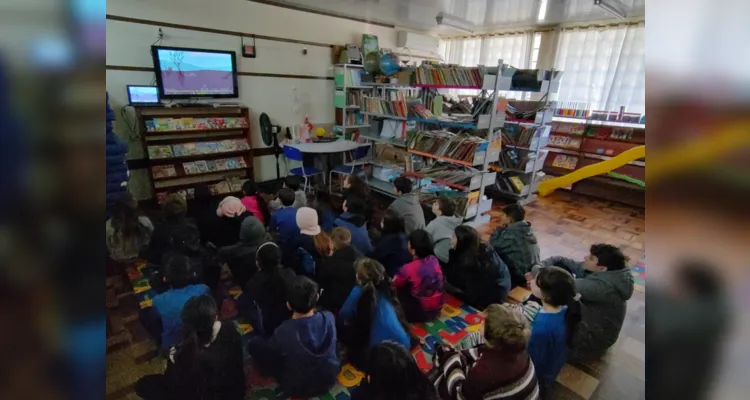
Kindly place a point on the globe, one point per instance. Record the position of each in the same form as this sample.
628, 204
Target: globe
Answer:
389, 64
372, 62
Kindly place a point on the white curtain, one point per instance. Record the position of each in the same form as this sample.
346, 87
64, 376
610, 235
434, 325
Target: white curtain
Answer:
512, 49
604, 67
472, 51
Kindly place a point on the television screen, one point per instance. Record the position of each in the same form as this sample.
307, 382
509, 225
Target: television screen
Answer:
183, 72
143, 94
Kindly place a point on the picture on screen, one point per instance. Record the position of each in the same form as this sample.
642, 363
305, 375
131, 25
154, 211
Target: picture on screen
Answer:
196, 73
144, 94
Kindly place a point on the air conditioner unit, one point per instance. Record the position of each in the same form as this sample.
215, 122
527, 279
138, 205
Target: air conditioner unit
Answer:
417, 42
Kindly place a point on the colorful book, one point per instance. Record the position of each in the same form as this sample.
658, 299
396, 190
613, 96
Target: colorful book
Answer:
163, 171
160, 152
221, 165
517, 183
211, 165
190, 168
190, 149
178, 150
188, 123
241, 162
241, 144
201, 166
221, 187
178, 124
201, 123
226, 145
150, 126
232, 163
207, 147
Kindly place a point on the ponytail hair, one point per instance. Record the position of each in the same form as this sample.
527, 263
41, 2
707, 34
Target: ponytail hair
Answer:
198, 317
558, 289
372, 278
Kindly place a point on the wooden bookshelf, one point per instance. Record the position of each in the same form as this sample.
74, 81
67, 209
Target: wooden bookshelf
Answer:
161, 185
595, 146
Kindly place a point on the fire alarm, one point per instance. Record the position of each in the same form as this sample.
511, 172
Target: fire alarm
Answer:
248, 50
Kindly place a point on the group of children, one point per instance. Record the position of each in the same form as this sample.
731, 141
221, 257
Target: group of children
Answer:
313, 280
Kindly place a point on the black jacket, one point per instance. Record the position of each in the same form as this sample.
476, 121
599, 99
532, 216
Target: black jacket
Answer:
482, 282
240, 257
392, 252
336, 277
161, 238
217, 373
268, 292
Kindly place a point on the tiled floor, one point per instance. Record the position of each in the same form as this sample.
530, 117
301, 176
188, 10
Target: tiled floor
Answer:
565, 225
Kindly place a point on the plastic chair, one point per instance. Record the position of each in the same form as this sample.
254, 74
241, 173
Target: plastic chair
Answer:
294, 154
358, 156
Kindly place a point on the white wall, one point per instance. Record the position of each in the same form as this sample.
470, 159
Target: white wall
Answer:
128, 44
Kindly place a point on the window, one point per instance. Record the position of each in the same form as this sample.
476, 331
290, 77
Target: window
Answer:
603, 67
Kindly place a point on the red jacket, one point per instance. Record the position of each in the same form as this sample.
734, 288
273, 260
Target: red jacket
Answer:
424, 278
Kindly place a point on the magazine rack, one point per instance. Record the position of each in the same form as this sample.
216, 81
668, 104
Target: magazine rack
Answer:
187, 147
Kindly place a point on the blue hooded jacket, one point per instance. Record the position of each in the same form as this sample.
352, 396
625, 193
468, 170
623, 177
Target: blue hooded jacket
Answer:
357, 227
309, 361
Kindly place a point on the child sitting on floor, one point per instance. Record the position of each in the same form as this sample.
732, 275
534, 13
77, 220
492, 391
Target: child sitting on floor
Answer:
392, 373
605, 284
254, 202
167, 306
300, 198
372, 313
313, 245
515, 242
353, 219
554, 327
128, 232
283, 225
264, 301
498, 368
301, 354
205, 365
392, 250
441, 228
420, 282
336, 274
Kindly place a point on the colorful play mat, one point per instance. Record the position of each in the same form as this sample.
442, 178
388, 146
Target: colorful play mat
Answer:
456, 322
639, 275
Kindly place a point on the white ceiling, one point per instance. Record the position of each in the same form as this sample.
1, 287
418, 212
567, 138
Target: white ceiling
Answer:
485, 15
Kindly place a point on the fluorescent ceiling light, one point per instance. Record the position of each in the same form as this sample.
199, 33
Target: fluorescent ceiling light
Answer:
613, 7
542, 10
454, 22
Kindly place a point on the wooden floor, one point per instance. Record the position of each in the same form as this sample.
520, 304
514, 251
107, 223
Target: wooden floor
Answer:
565, 224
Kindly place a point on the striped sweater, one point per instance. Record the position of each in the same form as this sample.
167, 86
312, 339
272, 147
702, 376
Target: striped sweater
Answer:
482, 373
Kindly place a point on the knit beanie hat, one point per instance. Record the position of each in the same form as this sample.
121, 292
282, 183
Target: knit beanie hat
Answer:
230, 207
307, 221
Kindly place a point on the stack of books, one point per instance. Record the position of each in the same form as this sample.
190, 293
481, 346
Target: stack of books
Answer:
445, 144
348, 76
394, 108
521, 135
194, 124
448, 75
197, 148
449, 173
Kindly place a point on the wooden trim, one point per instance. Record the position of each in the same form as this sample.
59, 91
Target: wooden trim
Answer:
327, 14
163, 24
239, 73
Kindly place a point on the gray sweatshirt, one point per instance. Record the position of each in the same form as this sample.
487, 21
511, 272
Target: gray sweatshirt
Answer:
441, 229
604, 297
409, 208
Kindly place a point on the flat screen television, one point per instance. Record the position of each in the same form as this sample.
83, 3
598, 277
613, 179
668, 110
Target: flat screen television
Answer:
185, 73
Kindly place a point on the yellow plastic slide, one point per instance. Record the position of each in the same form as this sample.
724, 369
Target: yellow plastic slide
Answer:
549, 186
